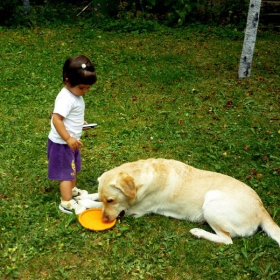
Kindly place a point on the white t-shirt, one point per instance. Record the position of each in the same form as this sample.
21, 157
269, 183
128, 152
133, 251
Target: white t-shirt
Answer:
72, 108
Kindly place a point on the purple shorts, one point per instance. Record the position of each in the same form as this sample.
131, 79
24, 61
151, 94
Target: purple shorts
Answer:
63, 162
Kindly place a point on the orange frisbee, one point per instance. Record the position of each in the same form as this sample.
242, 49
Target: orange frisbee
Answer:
92, 219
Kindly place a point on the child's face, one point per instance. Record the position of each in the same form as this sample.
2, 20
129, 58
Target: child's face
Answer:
78, 90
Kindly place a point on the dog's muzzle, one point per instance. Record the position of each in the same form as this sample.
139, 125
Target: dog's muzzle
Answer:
121, 215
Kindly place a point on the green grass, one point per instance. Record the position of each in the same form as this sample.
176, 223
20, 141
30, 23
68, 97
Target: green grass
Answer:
172, 94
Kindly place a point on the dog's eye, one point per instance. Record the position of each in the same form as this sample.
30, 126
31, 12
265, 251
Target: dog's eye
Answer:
110, 200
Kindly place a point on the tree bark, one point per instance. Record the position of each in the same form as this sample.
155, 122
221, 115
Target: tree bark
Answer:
249, 39
26, 7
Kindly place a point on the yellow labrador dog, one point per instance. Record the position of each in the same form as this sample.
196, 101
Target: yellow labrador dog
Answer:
174, 189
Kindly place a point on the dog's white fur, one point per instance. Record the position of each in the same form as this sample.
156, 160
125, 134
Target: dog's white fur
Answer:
174, 189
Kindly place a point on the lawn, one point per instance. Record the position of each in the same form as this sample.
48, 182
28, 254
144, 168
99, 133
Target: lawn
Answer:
171, 94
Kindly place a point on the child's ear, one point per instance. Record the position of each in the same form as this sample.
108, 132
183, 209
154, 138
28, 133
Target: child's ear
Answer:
66, 82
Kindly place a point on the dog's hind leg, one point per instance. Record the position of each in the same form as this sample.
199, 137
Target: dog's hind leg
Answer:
220, 236
217, 213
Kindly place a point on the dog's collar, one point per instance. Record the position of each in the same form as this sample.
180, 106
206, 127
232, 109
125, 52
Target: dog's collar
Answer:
121, 215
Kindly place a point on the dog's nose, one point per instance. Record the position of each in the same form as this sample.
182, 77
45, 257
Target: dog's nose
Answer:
105, 220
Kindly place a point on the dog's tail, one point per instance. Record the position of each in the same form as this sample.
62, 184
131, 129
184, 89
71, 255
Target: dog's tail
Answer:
270, 227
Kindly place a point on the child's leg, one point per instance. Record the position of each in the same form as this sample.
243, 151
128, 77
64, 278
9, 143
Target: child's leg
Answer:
68, 205
66, 189
74, 183
63, 166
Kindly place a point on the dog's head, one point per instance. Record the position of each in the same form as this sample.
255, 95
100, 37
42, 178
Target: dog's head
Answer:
116, 191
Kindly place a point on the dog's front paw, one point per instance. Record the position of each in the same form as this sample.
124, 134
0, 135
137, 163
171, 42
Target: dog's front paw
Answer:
88, 203
197, 232
93, 196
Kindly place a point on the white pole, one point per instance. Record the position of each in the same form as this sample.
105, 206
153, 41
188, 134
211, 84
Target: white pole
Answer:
26, 6
249, 39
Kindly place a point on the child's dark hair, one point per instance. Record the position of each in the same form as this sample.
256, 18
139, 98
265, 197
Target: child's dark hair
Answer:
79, 70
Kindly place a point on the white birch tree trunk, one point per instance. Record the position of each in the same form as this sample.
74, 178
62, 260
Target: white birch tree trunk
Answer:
26, 6
249, 39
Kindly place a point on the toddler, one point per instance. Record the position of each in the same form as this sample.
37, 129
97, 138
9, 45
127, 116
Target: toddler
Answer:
66, 129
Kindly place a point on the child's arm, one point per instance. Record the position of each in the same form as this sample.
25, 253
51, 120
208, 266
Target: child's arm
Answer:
72, 142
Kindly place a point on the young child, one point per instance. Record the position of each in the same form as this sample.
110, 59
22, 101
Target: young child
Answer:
66, 129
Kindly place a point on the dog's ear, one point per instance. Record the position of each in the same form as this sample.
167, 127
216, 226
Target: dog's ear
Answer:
126, 184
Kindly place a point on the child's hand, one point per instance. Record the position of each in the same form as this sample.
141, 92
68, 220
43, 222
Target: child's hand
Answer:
85, 128
73, 143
